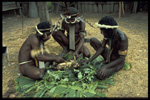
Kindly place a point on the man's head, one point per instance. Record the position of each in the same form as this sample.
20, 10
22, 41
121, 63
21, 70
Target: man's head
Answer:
71, 14
107, 25
43, 30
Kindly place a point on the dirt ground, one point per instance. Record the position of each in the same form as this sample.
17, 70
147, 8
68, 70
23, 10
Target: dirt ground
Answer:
131, 83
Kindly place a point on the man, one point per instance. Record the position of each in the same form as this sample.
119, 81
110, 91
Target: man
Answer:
113, 47
31, 52
75, 27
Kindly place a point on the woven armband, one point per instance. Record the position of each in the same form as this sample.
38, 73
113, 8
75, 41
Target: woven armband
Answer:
35, 52
122, 52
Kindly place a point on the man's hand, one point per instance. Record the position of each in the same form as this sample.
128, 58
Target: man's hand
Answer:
102, 72
84, 61
59, 59
76, 54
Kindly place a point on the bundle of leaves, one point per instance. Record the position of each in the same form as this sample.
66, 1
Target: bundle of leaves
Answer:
70, 82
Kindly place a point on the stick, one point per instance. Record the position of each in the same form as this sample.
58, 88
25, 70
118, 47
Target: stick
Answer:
123, 8
119, 9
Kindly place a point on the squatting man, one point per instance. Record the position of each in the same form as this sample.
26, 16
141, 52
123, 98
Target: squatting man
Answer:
32, 51
74, 40
113, 48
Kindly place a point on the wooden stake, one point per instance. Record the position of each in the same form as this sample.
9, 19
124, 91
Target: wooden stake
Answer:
123, 8
119, 9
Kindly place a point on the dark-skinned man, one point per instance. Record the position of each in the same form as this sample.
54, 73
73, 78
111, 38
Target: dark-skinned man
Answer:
32, 52
113, 48
75, 27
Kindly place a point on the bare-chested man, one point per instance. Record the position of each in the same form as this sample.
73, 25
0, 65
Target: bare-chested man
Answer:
31, 53
75, 27
113, 47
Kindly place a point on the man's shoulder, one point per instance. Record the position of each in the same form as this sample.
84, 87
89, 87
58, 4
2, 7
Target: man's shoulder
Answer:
33, 38
122, 35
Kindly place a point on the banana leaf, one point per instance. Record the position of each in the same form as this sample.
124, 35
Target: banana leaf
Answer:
23, 83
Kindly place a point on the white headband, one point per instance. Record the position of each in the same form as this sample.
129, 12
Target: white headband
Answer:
106, 26
38, 31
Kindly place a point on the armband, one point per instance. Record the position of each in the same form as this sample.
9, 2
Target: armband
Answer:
36, 52
122, 52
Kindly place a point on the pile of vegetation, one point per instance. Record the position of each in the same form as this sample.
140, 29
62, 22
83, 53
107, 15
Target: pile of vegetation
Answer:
70, 82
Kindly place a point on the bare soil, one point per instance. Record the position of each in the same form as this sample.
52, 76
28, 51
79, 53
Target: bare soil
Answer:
131, 83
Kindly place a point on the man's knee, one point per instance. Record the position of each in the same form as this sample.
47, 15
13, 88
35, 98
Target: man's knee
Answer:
92, 40
87, 54
56, 33
38, 75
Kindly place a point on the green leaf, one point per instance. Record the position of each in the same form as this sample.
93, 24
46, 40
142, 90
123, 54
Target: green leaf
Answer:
78, 94
49, 85
100, 94
52, 90
94, 86
60, 89
68, 56
127, 66
30, 89
71, 93
100, 86
25, 87
88, 94
38, 93
43, 92
79, 75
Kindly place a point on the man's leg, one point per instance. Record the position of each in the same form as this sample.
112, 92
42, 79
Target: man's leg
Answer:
102, 74
33, 72
62, 40
96, 44
85, 51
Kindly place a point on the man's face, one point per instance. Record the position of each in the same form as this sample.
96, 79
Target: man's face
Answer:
105, 33
46, 36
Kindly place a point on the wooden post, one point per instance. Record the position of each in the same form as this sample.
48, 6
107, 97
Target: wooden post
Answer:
57, 7
116, 7
43, 12
86, 7
121, 8
83, 7
99, 8
135, 6
94, 8
90, 7
33, 12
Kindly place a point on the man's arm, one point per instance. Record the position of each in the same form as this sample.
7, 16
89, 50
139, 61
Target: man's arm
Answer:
99, 51
82, 34
80, 43
122, 52
49, 58
35, 44
119, 60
